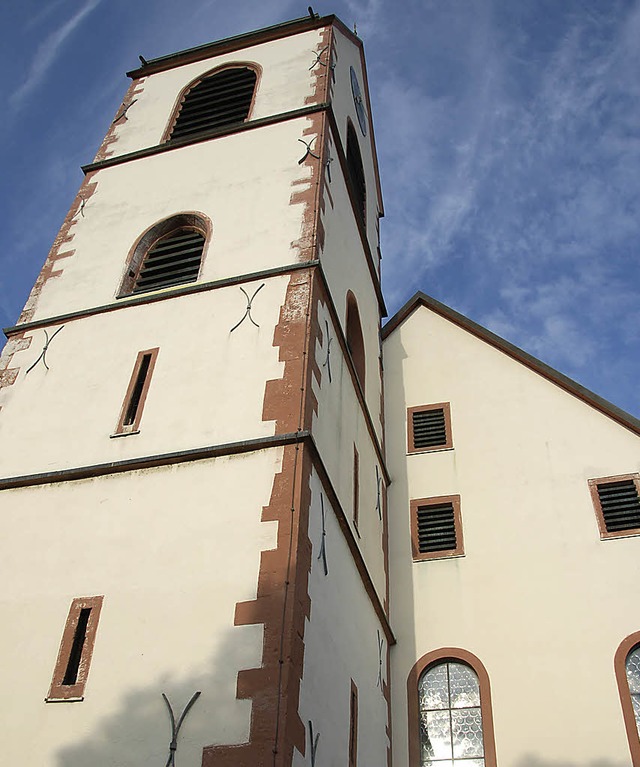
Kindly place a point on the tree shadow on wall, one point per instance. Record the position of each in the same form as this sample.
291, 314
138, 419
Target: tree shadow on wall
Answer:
529, 760
139, 731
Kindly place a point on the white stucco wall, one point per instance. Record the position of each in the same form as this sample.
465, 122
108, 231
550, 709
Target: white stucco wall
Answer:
338, 424
341, 644
247, 201
538, 597
347, 56
156, 544
345, 267
207, 388
283, 86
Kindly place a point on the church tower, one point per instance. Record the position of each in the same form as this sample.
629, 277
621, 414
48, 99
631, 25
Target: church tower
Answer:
192, 472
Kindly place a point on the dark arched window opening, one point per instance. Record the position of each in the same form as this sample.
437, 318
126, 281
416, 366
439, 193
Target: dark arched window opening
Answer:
168, 254
223, 98
450, 717
355, 340
355, 170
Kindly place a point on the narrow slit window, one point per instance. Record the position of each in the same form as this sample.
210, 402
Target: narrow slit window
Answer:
79, 639
76, 649
617, 504
353, 726
136, 395
429, 428
436, 528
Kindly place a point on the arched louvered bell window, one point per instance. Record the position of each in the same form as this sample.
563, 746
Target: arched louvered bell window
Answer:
355, 171
173, 260
223, 98
168, 254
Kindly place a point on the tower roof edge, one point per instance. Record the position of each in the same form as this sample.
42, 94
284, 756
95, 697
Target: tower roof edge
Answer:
234, 43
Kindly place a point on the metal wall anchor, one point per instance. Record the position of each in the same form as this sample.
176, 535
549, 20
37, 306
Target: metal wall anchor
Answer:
175, 728
323, 546
43, 353
313, 742
327, 163
123, 112
380, 646
378, 501
247, 311
317, 55
308, 152
327, 363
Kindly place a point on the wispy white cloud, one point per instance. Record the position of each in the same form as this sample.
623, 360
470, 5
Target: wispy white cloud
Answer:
47, 53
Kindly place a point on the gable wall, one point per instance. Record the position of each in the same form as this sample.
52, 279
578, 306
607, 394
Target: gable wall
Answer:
538, 597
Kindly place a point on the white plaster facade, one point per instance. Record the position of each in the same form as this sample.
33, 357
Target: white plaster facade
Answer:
207, 530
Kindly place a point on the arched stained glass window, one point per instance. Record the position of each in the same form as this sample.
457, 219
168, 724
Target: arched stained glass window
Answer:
632, 667
627, 668
450, 716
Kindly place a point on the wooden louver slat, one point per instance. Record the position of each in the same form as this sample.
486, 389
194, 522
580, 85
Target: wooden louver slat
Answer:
620, 504
173, 260
223, 98
436, 528
429, 428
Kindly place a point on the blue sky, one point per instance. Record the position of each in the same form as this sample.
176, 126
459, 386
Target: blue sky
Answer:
508, 133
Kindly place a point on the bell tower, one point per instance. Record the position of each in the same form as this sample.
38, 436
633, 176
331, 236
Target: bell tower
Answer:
192, 467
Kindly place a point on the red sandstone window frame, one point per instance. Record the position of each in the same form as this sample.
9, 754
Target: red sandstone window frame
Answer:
433, 658
415, 504
58, 689
132, 428
353, 725
595, 498
619, 663
447, 445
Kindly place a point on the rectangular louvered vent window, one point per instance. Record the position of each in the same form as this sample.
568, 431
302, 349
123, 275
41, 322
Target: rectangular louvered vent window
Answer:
436, 527
429, 428
617, 504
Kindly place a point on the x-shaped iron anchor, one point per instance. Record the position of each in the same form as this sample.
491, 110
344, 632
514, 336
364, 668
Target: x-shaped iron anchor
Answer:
123, 112
175, 728
327, 363
43, 353
323, 547
318, 60
308, 152
247, 311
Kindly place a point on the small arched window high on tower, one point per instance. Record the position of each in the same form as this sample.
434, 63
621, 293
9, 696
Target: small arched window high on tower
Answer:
355, 340
167, 254
215, 101
355, 171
